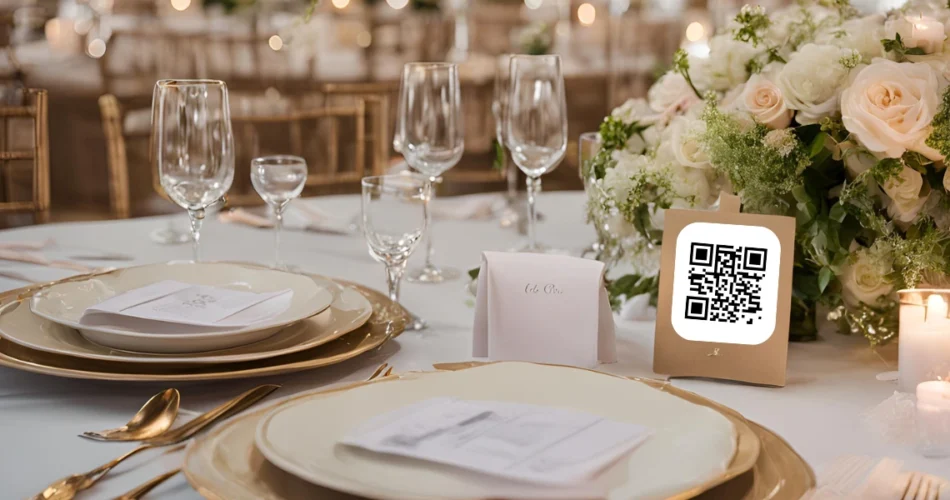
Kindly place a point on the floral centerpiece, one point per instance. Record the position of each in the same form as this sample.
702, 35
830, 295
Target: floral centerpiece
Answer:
813, 111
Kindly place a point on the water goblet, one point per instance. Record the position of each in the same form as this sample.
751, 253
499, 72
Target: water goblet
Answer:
193, 145
536, 124
395, 216
429, 134
510, 216
278, 179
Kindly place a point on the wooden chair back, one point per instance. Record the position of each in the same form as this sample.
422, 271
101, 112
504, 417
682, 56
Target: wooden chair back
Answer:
24, 153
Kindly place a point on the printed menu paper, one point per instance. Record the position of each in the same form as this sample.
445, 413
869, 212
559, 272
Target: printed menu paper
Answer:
543, 309
187, 304
537, 444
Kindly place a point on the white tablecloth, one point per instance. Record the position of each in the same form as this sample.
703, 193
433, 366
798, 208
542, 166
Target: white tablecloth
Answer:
831, 383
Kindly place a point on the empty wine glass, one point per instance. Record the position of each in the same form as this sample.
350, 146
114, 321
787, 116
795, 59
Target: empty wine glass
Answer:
193, 145
278, 179
510, 216
395, 215
429, 134
536, 124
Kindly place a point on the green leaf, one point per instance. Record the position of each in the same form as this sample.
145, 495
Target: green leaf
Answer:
817, 145
498, 162
473, 273
824, 278
837, 213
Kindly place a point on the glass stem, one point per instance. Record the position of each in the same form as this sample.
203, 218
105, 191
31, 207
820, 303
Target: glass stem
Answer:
428, 202
278, 222
512, 174
533, 185
394, 274
196, 217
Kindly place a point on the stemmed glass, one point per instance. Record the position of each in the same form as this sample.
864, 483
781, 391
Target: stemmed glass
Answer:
429, 134
278, 179
395, 216
510, 216
193, 145
536, 124
588, 145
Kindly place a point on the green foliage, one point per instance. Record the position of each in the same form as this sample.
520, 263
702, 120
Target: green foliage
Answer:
896, 45
498, 160
681, 66
886, 169
940, 137
614, 134
632, 285
753, 23
762, 169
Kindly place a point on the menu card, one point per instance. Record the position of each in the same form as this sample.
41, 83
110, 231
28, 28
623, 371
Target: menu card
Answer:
187, 304
537, 444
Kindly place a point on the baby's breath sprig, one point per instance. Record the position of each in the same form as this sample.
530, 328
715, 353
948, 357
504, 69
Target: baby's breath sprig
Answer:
681, 66
753, 22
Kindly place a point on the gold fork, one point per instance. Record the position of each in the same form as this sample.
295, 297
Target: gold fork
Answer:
141, 490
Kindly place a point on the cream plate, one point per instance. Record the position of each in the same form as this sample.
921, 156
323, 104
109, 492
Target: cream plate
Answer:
65, 302
691, 444
349, 311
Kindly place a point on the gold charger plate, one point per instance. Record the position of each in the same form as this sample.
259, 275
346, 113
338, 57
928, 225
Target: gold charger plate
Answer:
387, 321
225, 464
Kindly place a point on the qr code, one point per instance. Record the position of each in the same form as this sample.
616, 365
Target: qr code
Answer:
725, 283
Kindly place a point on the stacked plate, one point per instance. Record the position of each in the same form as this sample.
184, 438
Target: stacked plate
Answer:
324, 322
292, 449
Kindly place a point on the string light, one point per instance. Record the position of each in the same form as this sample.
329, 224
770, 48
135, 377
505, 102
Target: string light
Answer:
96, 48
695, 31
275, 42
586, 14
397, 4
340, 4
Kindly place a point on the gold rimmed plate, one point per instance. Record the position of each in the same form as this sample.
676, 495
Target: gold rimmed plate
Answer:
348, 311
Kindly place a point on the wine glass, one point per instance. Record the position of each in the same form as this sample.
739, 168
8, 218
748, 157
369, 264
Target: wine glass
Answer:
429, 134
395, 215
278, 179
193, 145
536, 124
588, 145
510, 216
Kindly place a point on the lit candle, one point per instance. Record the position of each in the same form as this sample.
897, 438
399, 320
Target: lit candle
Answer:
933, 418
924, 350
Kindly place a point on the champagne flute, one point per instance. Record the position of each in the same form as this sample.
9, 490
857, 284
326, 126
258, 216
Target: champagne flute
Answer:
278, 179
536, 124
193, 145
429, 133
395, 214
510, 216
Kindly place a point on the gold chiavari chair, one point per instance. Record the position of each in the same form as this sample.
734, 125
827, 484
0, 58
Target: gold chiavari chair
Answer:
13, 152
380, 100
125, 125
331, 138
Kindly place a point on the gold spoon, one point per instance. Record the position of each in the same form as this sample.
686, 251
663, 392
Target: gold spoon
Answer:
155, 417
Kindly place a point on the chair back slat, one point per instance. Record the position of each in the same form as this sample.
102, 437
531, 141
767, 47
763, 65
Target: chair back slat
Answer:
12, 153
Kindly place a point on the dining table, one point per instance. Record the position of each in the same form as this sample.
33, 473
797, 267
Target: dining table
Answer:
832, 383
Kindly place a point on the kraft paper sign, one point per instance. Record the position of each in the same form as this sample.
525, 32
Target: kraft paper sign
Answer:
725, 295
543, 308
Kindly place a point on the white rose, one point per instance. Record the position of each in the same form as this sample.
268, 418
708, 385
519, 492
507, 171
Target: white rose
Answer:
634, 110
811, 81
946, 180
764, 100
671, 91
691, 187
865, 279
889, 107
685, 138
856, 159
725, 67
904, 192
795, 21
917, 31
862, 34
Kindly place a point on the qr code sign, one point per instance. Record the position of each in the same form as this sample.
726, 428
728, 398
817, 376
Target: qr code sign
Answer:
725, 284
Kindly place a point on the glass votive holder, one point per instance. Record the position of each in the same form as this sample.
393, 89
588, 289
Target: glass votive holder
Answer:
924, 337
933, 418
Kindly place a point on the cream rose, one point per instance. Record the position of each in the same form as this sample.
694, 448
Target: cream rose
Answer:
889, 107
764, 101
634, 110
905, 194
671, 91
862, 34
811, 80
917, 31
865, 279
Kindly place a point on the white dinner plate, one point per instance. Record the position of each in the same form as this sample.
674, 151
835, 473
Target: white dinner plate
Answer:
691, 444
349, 311
64, 303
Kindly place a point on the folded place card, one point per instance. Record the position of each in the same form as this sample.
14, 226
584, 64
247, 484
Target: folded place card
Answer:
543, 308
536, 444
187, 304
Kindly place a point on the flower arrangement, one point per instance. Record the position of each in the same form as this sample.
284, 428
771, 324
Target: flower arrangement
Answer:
839, 120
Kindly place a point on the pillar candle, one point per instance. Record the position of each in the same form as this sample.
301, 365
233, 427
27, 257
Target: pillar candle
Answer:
924, 345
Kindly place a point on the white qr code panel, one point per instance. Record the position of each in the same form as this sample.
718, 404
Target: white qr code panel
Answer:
725, 283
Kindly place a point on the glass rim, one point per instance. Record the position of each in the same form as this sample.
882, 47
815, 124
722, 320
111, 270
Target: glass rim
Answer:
424, 64
189, 82
278, 160
536, 57
376, 180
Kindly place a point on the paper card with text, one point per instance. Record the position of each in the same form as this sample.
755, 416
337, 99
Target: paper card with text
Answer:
725, 295
543, 308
